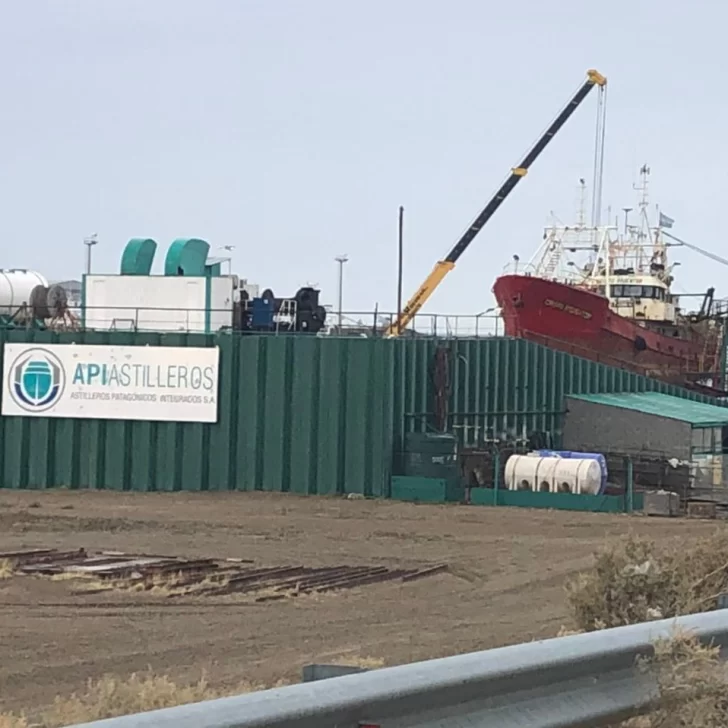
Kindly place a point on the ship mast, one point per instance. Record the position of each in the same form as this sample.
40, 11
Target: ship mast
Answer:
581, 212
643, 230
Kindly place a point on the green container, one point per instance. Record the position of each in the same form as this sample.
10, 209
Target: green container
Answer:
430, 465
427, 490
429, 442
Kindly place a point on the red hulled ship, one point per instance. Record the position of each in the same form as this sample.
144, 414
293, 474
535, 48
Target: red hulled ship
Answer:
605, 294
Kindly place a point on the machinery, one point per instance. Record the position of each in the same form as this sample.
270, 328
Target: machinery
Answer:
300, 314
26, 300
443, 267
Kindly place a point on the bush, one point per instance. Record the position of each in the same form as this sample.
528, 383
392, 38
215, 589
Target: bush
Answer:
640, 581
693, 686
110, 697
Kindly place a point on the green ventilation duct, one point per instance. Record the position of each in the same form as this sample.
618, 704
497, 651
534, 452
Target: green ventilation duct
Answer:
138, 257
186, 257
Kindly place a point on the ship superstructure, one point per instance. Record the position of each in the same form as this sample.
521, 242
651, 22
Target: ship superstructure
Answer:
605, 292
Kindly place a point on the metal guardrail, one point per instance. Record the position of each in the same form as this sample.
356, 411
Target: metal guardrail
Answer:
579, 680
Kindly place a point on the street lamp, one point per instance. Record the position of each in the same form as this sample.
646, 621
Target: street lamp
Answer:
341, 259
89, 242
228, 258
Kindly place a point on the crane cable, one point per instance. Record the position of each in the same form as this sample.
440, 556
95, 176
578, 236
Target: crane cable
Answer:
599, 144
706, 253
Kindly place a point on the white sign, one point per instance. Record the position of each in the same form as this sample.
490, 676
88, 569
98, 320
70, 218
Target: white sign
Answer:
163, 383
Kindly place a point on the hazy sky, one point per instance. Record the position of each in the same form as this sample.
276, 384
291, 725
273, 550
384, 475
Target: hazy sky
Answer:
294, 130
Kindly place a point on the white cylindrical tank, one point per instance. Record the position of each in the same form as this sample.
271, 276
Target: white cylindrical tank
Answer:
578, 475
554, 474
15, 287
525, 472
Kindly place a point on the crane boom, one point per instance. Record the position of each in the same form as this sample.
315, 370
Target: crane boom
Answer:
443, 267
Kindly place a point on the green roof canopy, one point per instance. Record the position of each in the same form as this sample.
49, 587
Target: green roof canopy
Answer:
697, 414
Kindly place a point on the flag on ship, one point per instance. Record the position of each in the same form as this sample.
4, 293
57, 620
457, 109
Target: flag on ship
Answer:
665, 221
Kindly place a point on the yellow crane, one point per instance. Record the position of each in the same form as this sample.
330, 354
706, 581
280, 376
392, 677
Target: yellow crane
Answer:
443, 267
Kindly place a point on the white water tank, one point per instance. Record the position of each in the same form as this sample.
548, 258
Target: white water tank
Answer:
525, 472
553, 474
15, 287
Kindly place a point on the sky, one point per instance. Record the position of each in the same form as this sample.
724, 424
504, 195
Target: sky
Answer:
295, 130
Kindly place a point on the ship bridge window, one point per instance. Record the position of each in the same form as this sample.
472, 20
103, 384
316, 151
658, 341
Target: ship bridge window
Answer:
638, 292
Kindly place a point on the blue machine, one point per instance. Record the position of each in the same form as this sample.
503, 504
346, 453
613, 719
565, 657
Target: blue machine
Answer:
262, 311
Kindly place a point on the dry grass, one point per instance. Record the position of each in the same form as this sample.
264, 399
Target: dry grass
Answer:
641, 580
7, 569
163, 585
9, 720
179, 584
693, 685
366, 663
110, 697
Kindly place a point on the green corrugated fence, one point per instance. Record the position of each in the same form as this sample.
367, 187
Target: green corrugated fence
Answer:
303, 414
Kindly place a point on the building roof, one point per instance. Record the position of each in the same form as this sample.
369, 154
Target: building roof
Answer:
697, 414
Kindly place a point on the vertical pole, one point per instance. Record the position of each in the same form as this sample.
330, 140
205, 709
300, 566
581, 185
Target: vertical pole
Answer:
341, 293
629, 477
496, 475
89, 242
400, 241
341, 259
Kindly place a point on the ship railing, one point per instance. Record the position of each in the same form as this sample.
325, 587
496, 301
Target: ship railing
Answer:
517, 267
131, 319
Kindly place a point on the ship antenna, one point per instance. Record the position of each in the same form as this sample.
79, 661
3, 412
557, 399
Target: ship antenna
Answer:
644, 201
644, 174
581, 212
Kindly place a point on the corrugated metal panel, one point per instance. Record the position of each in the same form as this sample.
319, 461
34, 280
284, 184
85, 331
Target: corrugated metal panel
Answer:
697, 414
507, 387
304, 414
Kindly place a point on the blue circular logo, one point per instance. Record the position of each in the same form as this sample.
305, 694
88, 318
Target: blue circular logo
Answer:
37, 380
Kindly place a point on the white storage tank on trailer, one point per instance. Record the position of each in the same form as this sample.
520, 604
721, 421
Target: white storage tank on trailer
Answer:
16, 285
553, 474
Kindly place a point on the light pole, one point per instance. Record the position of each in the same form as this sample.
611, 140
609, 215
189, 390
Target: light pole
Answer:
89, 242
229, 258
341, 259
484, 313
400, 248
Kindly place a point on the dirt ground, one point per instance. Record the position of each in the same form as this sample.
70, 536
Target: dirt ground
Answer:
506, 584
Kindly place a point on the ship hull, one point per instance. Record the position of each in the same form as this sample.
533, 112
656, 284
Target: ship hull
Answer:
581, 322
